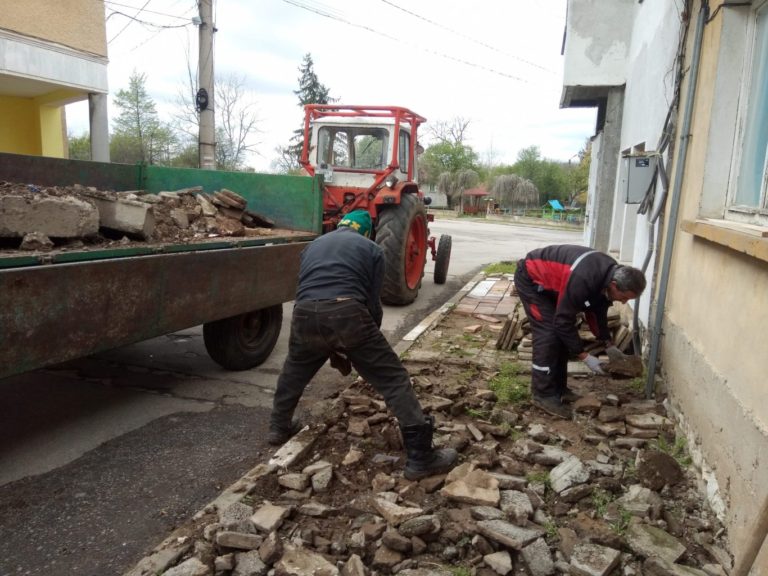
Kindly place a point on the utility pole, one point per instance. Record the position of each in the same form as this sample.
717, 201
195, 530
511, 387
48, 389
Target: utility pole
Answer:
204, 98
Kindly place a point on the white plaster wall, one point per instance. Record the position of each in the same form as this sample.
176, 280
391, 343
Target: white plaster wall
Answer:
589, 224
650, 85
37, 60
597, 42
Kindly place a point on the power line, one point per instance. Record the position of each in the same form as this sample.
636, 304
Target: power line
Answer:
129, 21
161, 28
458, 33
320, 12
148, 11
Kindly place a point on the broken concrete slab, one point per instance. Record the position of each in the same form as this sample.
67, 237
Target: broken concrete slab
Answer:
508, 534
593, 560
126, 216
648, 541
56, 217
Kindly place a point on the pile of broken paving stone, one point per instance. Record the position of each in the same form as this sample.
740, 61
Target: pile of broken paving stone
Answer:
39, 218
593, 496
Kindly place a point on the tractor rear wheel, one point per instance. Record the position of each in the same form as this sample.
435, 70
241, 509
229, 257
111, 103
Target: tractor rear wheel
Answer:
442, 259
401, 231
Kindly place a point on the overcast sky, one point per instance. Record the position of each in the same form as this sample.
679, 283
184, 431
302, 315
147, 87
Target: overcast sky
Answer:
496, 63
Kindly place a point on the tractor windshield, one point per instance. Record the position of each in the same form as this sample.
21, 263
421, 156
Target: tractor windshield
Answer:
354, 147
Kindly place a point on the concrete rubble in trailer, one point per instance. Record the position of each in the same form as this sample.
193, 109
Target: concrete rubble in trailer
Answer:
41, 219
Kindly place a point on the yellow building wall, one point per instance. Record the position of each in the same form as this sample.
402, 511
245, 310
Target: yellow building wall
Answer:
714, 346
52, 134
19, 126
79, 24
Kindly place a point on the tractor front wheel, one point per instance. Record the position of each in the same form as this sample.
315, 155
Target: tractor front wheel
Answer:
442, 259
401, 231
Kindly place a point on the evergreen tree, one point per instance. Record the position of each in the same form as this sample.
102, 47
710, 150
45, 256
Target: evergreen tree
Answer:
311, 91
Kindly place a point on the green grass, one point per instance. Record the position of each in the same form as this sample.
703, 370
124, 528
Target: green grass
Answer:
510, 387
600, 500
461, 571
638, 384
503, 267
678, 450
479, 414
538, 478
551, 528
621, 525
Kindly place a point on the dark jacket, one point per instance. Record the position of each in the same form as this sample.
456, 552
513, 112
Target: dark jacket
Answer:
578, 276
343, 264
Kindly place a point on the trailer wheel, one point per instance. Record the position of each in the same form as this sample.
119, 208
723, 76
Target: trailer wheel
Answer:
442, 259
401, 231
243, 341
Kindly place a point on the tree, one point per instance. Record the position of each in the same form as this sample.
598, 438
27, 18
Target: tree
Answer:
513, 191
528, 163
548, 176
452, 131
445, 157
79, 146
311, 91
578, 176
236, 119
139, 136
286, 161
453, 184
236, 123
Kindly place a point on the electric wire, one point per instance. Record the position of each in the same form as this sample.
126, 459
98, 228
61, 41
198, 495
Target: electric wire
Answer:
131, 19
112, 3
161, 28
305, 6
466, 37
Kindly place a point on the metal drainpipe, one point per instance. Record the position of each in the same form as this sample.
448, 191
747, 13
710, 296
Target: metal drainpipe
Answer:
675, 201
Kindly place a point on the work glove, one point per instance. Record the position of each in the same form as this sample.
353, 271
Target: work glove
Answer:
341, 363
593, 364
614, 354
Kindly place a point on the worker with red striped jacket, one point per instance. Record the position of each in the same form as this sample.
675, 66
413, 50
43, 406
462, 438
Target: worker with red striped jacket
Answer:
555, 283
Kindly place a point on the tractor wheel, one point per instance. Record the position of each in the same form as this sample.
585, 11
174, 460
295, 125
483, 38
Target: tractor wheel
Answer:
243, 341
442, 259
401, 231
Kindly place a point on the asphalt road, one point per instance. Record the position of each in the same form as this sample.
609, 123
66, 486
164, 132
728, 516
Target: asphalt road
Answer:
102, 457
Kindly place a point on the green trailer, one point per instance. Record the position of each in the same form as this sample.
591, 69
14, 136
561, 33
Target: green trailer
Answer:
69, 304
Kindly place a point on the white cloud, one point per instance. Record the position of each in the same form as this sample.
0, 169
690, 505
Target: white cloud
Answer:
494, 62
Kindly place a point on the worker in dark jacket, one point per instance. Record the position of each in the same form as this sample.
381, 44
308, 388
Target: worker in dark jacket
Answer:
338, 311
555, 283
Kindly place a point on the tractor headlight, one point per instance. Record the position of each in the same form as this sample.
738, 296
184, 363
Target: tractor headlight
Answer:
390, 181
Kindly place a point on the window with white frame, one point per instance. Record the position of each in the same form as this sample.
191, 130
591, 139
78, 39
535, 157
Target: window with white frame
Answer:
749, 196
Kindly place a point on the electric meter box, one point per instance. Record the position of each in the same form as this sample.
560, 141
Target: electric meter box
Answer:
636, 174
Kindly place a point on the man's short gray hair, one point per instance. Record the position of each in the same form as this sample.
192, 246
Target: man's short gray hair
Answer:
629, 279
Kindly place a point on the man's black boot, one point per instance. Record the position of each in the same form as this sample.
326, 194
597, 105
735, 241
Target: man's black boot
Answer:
279, 435
423, 459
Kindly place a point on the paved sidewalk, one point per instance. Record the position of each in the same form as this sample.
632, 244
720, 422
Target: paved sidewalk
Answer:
492, 296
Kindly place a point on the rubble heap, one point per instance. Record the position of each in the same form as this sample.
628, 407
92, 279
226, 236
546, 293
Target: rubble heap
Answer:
72, 217
611, 492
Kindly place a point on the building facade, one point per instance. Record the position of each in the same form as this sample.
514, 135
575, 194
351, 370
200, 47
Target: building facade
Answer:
681, 90
51, 54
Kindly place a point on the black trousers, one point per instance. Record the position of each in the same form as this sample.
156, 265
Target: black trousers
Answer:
319, 328
549, 367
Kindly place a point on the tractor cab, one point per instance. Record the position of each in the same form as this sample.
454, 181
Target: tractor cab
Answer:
359, 150
367, 157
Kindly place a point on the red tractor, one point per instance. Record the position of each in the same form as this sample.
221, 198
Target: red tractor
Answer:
367, 156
